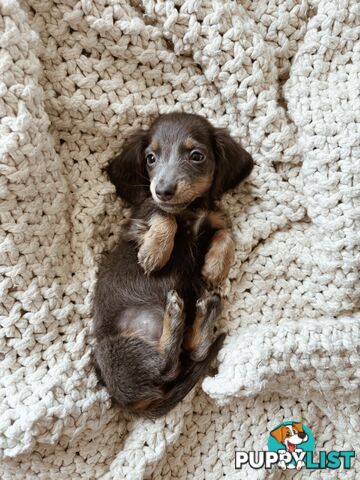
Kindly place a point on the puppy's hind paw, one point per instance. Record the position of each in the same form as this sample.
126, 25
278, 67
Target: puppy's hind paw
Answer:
210, 300
174, 303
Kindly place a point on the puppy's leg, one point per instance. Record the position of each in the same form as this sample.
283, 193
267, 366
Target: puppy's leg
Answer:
199, 337
220, 255
158, 242
172, 334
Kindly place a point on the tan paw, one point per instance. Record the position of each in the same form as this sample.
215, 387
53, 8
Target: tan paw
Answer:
217, 265
174, 303
154, 255
214, 271
219, 258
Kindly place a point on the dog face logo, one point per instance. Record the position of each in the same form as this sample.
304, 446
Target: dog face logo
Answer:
291, 445
290, 435
291, 440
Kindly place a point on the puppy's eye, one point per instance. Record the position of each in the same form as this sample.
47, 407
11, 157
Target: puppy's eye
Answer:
196, 156
150, 159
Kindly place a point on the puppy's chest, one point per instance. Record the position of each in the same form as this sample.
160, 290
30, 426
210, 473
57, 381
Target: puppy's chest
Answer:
192, 224
192, 238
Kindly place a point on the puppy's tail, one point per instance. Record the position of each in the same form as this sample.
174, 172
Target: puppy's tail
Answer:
190, 375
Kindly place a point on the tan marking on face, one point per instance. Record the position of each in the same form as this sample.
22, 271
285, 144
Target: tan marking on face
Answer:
158, 242
219, 258
187, 191
154, 145
189, 143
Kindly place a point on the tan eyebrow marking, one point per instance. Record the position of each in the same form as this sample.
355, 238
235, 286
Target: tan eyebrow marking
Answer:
154, 145
189, 143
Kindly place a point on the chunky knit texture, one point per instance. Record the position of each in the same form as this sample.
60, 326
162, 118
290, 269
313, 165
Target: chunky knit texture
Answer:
76, 78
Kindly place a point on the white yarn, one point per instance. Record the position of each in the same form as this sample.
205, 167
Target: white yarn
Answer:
76, 78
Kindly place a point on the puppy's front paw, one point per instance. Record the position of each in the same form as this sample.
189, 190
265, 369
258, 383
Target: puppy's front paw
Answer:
158, 243
218, 259
153, 255
213, 271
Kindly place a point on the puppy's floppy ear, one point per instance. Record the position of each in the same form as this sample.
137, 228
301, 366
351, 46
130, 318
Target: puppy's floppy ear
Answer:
233, 163
128, 171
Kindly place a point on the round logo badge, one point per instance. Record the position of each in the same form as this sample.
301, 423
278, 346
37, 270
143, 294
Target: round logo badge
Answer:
292, 439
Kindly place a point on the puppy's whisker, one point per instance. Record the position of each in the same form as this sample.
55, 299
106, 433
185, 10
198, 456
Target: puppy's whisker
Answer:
143, 176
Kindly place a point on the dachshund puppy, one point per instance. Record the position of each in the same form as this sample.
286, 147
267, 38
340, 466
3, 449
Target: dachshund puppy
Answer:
154, 305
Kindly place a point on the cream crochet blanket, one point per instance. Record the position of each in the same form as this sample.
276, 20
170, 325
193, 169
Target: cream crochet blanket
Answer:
76, 78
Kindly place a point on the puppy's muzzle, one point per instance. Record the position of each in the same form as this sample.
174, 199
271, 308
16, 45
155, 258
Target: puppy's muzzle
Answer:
165, 190
165, 193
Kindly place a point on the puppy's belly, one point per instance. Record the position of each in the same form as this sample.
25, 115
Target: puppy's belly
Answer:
144, 321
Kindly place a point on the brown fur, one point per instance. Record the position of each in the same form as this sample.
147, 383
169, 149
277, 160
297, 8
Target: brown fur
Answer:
187, 191
158, 242
189, 143
173, 325
198, 337
154, 145
219, 258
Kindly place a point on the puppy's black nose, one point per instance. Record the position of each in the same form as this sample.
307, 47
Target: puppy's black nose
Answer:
302, 435
165, 191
